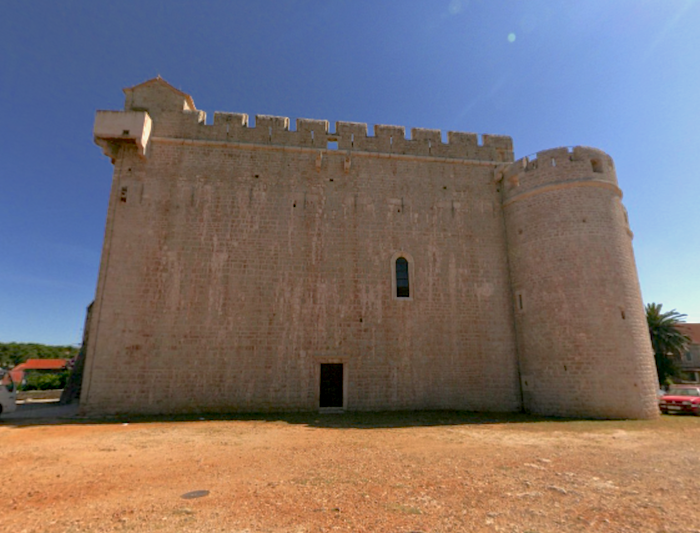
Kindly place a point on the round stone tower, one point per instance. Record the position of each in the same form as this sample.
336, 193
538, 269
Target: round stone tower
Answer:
583, 343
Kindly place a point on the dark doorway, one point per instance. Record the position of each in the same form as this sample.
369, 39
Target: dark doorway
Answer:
331, 385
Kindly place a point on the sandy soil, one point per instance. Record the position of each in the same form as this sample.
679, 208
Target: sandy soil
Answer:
405, 472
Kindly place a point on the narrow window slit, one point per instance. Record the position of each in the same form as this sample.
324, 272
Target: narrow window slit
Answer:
402, 281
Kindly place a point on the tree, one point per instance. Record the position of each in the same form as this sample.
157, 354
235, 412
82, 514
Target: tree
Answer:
668, 342
14, 353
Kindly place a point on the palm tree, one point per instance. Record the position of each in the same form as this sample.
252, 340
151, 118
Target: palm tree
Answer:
668, 342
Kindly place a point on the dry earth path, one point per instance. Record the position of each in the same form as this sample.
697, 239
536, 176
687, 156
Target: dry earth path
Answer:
379, 472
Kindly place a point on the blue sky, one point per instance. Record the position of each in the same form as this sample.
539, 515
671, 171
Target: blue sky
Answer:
621, 75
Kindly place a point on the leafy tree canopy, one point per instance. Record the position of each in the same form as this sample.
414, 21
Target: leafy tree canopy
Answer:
668, 342
14, 353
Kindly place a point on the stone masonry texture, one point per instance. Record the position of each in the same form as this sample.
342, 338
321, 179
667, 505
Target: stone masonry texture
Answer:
238, 259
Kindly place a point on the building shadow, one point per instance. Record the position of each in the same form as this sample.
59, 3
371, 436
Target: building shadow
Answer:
33, 415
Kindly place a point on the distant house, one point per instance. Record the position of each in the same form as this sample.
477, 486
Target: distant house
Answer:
690, 361
44, 366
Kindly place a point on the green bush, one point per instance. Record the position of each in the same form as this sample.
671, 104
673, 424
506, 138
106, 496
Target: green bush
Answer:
41, 381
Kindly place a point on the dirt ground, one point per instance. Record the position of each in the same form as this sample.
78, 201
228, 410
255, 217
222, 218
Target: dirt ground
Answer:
378, 472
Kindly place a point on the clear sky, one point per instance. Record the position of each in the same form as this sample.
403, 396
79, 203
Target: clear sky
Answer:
621, 75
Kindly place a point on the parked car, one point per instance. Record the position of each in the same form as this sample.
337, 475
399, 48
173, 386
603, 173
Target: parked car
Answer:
8, 393
681, 399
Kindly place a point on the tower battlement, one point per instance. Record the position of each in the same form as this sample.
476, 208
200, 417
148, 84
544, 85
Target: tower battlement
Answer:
557, 166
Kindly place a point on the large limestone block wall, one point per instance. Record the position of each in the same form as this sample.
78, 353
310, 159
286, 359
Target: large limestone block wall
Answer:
234, 267
582, 335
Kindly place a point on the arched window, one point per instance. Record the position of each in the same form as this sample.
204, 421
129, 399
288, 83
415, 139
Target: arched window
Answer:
402, 282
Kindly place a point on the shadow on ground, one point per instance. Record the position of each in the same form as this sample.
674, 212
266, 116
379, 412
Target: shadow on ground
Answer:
52, 414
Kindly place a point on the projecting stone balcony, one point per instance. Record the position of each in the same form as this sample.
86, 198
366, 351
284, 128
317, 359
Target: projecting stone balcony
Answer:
113, 128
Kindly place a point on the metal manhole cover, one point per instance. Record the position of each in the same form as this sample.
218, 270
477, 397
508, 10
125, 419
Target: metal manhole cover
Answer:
195, 494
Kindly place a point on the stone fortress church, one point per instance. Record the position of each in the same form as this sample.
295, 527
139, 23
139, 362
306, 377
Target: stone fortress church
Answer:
270, 268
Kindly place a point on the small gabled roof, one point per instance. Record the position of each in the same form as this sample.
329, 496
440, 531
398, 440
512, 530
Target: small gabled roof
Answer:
18, 371
160, 81
692, 330
42, 364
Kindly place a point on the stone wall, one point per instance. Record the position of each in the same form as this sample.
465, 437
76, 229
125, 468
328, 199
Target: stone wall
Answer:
232, 270
582, 333
239, 259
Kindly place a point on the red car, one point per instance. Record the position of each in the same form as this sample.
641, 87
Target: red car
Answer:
681, 399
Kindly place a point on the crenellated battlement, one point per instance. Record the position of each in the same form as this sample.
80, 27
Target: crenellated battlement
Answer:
350, 136
555, 166
174, 116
